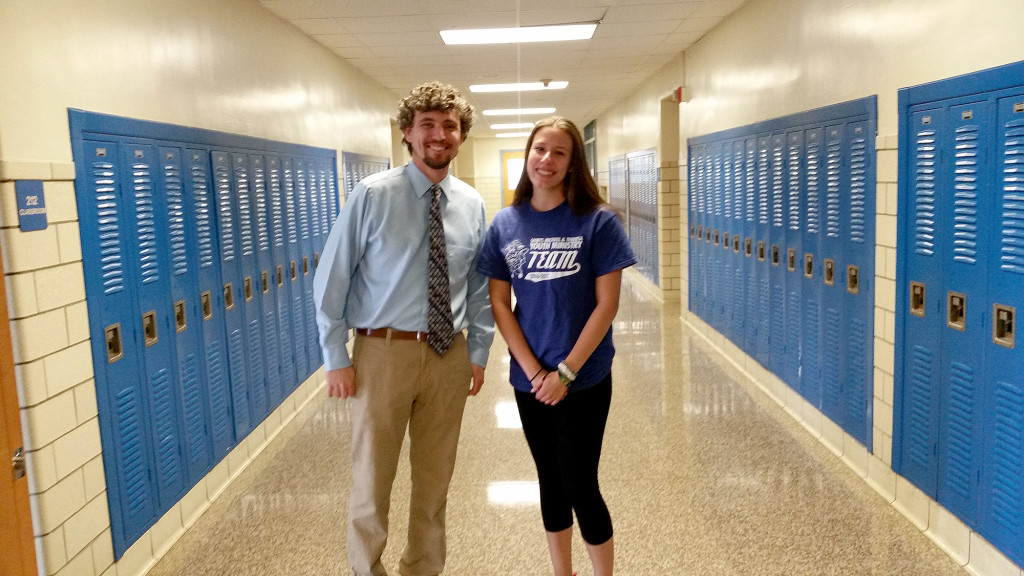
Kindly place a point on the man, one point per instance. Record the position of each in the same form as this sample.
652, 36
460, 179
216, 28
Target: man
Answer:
407, 368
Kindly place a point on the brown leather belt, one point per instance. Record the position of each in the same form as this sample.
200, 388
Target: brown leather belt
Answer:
395, 334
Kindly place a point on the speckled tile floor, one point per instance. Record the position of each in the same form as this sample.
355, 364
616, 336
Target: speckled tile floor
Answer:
703, 475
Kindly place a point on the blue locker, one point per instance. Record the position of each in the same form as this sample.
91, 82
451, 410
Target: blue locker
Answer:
104, 224
210, 295
833, 280
748, 247
154, 313
231, 282
762, 252
777, 313
735, 250
859, 274
810, 268
795, 186
305, 245
310, 254
278, 261
1003, 470
194, 401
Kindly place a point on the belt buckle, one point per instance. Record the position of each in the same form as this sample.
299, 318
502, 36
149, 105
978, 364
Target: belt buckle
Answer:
421, 336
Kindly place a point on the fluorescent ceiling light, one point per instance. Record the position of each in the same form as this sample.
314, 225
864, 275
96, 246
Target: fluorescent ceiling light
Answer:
514, 126
519, 87
521, 34
518, 111
512, 135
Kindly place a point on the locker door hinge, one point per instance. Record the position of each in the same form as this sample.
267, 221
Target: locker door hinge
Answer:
18, 463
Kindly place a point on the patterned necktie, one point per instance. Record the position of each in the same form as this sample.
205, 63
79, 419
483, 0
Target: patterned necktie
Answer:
439, 312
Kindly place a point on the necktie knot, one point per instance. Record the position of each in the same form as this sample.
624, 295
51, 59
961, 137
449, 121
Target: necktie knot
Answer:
439, 309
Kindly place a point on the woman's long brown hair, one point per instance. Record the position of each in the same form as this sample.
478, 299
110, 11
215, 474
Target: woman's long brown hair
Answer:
581, 192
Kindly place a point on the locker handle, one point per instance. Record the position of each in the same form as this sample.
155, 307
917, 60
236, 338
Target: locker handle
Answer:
791, 260
700, 232
280, 275
1002, 325
693, 231
726, 240
716, 237
305, 266
149, 328
917, 299
853, 279
956, 311
830, 272
229, 296
294, 275
316, 260
775, 255
736, 244
760, 250
207, 306
808, 265
707, 235
748, 248
180, 320
264, 282
112, 335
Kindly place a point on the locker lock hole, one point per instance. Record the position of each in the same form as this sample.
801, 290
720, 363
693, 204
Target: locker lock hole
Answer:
748, 247
956, 308
293, 271
760, 250
852, 279
726, 241
808, 265
280, 275
736, 244
830, 272
112, 335
716, 237
180, 320
917, 299
305, 265
264, 282
791, 260
1002, 327
247, 287
149, 327
204, 300
775, 255
229, 296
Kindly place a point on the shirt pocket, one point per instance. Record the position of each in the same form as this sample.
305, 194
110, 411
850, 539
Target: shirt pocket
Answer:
460, 259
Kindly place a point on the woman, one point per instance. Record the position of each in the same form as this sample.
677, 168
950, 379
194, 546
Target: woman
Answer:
562, 249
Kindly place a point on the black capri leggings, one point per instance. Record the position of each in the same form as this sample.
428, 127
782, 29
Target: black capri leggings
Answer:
565, 441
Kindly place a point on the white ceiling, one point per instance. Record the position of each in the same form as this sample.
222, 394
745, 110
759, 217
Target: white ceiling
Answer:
397, 43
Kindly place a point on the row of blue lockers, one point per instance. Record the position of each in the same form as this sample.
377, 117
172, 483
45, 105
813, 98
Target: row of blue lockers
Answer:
633, 191
199, 249
959, 399
781, 251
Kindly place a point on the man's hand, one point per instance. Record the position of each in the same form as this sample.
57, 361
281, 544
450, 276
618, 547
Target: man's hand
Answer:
341, 382
478, 379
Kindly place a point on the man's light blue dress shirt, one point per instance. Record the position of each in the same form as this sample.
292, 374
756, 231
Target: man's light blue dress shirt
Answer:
373, 270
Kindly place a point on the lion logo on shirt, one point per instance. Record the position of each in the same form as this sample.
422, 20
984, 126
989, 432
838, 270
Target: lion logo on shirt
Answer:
515, 257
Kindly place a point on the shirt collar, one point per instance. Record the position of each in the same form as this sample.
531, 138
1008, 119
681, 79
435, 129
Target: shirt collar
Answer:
420, 183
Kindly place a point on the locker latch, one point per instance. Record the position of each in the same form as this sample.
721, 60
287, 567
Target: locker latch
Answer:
1002, 325
760, 250
700, 232
775, 255
808, 265
956, 311
264, 282
791, 260
112, 335
716, 238
204, 300
305, 265
18, 463
830, 272
280, 275
852, 279
736, 244
229, 296
180, 321
293, 272
917, 299
748, 248
693, 230
149, 328
247, 287
727, 241
707, 235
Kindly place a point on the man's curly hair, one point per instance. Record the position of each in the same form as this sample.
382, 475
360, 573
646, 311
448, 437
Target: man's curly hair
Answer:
435, 96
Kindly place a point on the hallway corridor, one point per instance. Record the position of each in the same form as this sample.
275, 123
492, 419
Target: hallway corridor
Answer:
703, 474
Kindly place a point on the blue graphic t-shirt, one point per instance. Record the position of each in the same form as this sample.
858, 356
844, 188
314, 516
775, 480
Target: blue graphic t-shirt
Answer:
552, 260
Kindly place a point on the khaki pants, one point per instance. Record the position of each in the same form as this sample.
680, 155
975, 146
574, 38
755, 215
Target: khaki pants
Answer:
400, 384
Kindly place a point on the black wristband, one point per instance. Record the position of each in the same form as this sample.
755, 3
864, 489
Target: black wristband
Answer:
535, 375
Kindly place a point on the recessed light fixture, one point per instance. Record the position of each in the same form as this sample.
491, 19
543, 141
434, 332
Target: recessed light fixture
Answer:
559, 32
520, 86
513, 126
512, 135
518, 111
